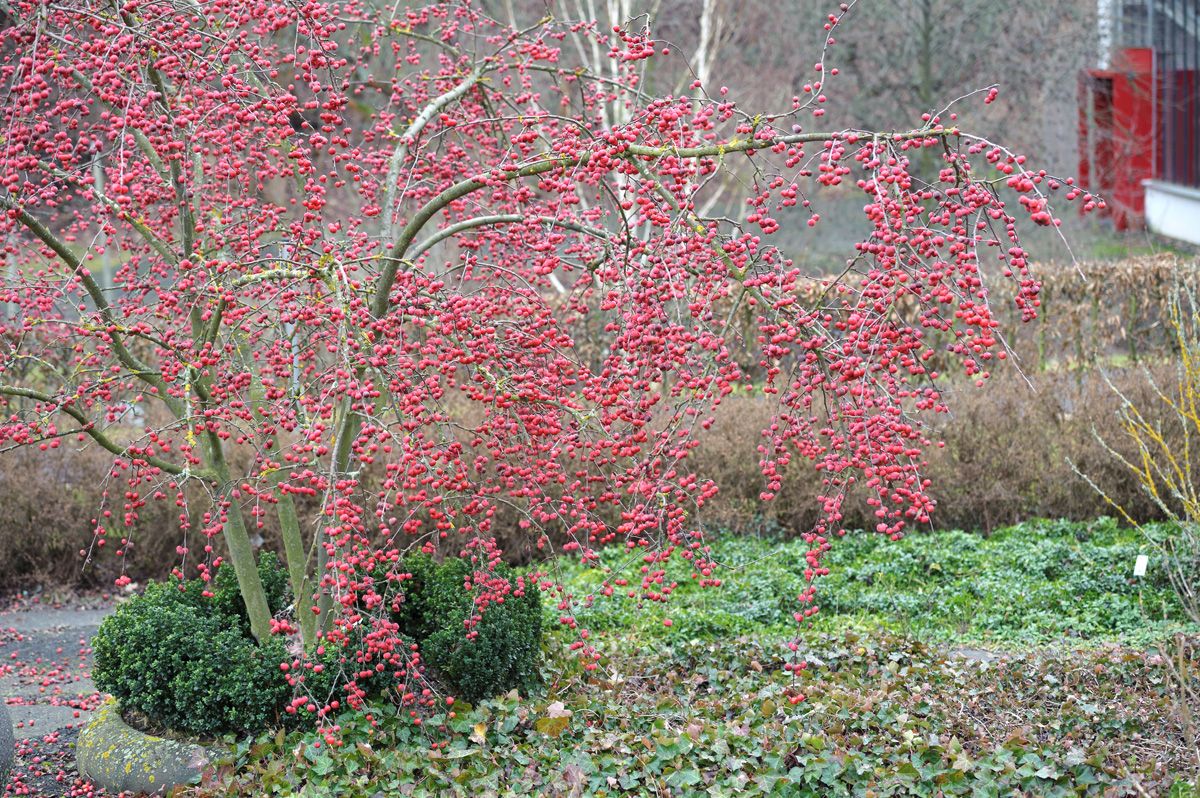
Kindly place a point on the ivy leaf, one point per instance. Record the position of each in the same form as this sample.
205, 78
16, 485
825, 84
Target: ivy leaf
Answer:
551, 726
684, 778
1048, 772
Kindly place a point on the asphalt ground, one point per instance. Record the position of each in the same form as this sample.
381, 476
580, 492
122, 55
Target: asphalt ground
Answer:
45, 667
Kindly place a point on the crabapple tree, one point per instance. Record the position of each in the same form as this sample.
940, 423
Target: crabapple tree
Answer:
397, 276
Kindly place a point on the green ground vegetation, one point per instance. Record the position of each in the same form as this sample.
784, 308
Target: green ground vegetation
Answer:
1029, 663
1033, 585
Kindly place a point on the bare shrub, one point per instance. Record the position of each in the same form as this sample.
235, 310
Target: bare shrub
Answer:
48, 505
1156, 441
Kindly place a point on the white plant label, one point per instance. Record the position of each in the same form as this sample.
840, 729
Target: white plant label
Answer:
1139, 565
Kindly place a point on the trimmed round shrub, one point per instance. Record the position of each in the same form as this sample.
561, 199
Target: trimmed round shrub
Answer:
188, 662
408, 599
479, 653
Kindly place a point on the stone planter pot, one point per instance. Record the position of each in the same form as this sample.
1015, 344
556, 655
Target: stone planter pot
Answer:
113, 755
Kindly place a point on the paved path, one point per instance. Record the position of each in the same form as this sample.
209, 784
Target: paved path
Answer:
45, 666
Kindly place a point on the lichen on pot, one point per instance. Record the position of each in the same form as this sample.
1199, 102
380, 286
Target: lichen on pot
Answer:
113, 755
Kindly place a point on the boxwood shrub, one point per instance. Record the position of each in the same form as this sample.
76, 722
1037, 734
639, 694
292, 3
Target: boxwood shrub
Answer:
188, 662
505, 649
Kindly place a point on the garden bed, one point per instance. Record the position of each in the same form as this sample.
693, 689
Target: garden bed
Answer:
904, 696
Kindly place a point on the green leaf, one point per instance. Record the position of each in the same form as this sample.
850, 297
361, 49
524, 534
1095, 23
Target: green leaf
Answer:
684, 778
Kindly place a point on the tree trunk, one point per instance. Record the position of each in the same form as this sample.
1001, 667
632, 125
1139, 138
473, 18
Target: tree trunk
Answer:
241, 551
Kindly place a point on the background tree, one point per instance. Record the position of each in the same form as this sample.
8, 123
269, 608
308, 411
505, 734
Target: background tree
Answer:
400, 276
897, 60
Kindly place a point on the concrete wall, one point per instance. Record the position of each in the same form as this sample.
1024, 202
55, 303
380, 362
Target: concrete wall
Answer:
1173, 210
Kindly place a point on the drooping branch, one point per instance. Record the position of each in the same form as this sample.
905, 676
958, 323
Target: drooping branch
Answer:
88, 426
135, 366
409, 136
496, 219
399, 251
143, 229
139, 136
